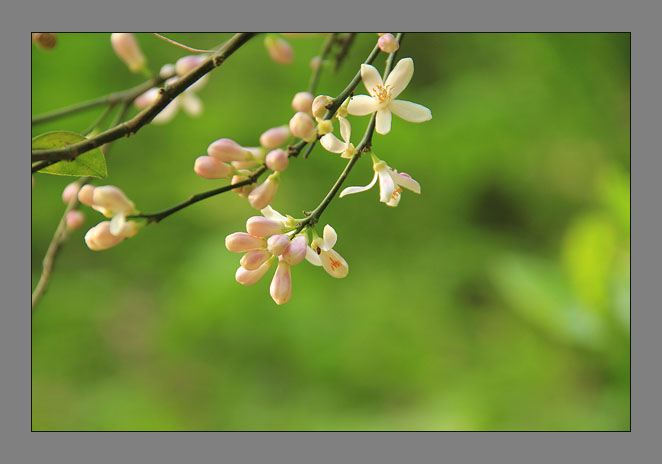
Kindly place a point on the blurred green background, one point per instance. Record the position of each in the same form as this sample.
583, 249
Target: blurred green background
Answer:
498, 299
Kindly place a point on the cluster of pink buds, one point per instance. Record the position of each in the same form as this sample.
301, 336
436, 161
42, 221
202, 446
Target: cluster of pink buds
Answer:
114, 204
74, 218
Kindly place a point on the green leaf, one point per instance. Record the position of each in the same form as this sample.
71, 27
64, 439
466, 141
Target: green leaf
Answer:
91, 163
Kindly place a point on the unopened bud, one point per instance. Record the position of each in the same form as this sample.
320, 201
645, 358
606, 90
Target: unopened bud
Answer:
254, 259
315, 62
85, 195
45, 40
303, 101
74, 219
388, 43
99, 237
188, 63
277, 244
277, 160
260, 226
113, 199
263, 194
296, 251
211, 168
244, 190
70, 191
281, 285
279, 50
243, 165
274, 137
246, 277
144, 100
127, 49
167, 70
303, 126
228, 150
240, 242
320, 105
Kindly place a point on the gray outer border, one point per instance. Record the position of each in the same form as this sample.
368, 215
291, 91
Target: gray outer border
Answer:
20, 445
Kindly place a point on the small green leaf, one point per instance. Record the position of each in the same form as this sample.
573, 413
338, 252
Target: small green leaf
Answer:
91, 163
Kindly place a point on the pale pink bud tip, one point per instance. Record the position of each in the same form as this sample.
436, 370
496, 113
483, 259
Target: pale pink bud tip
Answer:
70, 191
228, 150
388, 43
113, 199
146, 99
262, 227
279, 50
211, 168
99, 237
302, 126
188, 63
85, 195
277, 244
248, 277
320, 105
274, 137
263, 194
296, 251
75, 219
240, 242
281, 284
254, 259
127, 49
303, 101
277, 160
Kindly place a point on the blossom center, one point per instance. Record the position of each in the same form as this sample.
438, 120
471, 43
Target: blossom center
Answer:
396, 193
382, 93
335, 264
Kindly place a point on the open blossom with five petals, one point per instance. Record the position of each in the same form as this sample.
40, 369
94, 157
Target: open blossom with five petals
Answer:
333, 144
390, 181
382, 98
321, 253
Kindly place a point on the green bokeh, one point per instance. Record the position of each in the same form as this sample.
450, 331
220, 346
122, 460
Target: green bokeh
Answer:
498, 299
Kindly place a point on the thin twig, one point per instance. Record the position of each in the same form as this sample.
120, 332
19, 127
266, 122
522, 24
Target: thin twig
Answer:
132, 126
326, 49
181, 45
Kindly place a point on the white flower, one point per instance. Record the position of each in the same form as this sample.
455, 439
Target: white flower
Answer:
382, 97
270, 213
333, 144
390, 181
321, 253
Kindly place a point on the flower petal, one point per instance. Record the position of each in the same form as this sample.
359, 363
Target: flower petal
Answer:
312, 257
334, 264
406, 181
191, 104
395, 199
117, 224
412, 112
371, 78
360, 105
383, 121
167, 113
345, 129
332, 143
330, 238
270, 213
400, 76
386, 185
350, 190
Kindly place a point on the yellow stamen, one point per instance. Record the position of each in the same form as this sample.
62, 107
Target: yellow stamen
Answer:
382, 93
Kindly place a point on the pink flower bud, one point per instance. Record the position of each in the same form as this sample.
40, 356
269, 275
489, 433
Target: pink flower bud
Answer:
260, 226
188, 63
74, 219
254, 259
274, 137
240, 242
279, 50
70, 191
388, 43
277, 160
126, 47
146, 99
281, 285
303, 101
302, 126
244, 190
85, 194
99, 237
246, 277
296, 251
277, 244
258, 153
113, 199
243, 164
315, 62
263, 194
228, 150
211, 168
167, 70
319, 105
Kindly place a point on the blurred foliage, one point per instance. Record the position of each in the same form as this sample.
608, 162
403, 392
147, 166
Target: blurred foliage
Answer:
498, 299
